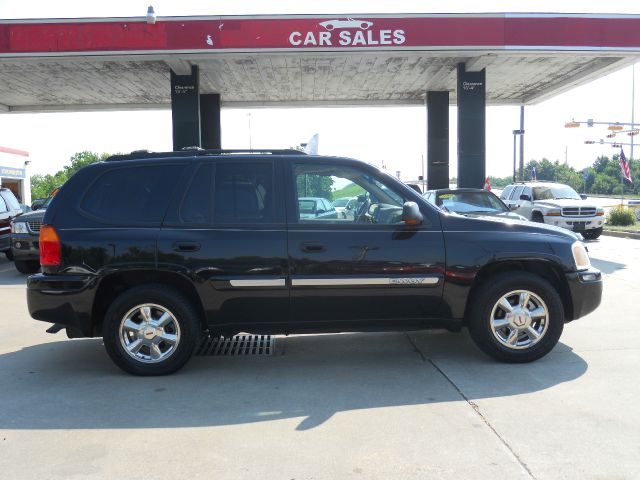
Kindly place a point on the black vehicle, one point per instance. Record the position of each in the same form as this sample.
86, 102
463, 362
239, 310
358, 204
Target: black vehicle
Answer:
153, 251
9, 209
471, 201
25, 239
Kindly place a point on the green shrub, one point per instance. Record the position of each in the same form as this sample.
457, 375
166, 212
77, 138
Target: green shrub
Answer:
620, 216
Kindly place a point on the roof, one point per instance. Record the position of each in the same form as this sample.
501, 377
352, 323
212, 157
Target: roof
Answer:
305, 60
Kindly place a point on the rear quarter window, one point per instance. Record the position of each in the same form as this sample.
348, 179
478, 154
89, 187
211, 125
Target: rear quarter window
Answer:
131, 195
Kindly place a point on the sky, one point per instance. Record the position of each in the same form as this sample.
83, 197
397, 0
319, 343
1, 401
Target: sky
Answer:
395, 135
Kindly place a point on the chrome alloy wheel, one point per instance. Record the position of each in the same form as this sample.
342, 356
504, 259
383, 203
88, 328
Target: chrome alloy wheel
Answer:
149, 333
519, 319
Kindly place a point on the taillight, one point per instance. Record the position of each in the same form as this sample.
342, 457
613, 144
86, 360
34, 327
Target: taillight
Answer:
49, 246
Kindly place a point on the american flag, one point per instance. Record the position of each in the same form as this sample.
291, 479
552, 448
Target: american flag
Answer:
624, 166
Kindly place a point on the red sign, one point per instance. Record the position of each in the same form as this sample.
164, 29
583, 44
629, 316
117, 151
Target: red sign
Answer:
434, 32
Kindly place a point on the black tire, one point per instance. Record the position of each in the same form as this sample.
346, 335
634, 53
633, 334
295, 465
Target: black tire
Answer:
187, 331
537, 217
9, 255
592, 234
486, 298
27, 266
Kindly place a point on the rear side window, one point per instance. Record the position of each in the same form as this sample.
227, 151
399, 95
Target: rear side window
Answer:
3, 206
243, 193
196, 204
131, 195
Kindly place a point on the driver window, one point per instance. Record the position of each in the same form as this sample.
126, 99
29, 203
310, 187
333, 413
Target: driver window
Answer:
370, 200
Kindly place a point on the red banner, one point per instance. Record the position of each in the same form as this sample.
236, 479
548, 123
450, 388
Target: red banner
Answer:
293, 33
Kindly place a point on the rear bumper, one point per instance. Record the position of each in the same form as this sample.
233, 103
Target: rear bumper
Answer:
62, 299
586, 291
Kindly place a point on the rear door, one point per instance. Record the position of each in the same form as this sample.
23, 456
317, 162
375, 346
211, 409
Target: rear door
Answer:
366, 268
226, 232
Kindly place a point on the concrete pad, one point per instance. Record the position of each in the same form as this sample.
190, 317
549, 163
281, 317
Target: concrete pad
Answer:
423, 405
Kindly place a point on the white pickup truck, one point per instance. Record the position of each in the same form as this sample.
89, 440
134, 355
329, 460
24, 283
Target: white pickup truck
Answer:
555, 204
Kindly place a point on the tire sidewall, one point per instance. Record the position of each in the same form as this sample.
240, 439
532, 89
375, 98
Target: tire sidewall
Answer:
485, 300
176, 303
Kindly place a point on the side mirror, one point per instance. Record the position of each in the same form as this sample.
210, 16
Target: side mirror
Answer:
525, 197
583, 196
320, 212
411, 214
513, 206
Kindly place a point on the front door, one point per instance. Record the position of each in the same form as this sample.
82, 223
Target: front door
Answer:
368, 265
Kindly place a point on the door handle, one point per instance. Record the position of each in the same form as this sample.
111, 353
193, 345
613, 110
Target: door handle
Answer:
313, 247
186, 246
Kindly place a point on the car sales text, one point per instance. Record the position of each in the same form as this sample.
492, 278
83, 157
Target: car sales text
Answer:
348, 38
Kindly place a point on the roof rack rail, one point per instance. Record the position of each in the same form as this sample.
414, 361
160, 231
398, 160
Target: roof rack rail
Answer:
199, 152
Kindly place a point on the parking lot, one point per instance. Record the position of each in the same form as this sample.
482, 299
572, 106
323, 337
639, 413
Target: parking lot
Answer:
418, 405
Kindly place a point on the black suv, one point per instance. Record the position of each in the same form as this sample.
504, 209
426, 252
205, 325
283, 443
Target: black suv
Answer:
154, 251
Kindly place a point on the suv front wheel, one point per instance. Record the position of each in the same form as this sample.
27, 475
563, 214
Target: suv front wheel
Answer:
151, 330
516, 317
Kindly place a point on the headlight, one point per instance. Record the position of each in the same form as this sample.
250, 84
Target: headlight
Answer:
554, 212
19, 227
599, 212
580, 256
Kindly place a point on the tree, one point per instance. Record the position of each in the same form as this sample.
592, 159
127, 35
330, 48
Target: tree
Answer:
43, 185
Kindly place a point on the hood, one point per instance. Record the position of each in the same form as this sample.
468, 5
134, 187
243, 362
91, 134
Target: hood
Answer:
496, 214
564, 202
34, 216
454, 221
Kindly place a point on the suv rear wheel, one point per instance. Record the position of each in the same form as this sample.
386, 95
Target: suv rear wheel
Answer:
151, 330
516, 317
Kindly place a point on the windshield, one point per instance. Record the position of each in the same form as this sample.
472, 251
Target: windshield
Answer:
555, 192
471, 202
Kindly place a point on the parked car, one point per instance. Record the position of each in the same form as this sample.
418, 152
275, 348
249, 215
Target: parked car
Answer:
138, 250
555, 204
314, 207
25, 239
9, 209
471, 201
344, 206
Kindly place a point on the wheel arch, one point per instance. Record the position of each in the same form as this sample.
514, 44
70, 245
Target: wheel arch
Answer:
116, 283
542, 268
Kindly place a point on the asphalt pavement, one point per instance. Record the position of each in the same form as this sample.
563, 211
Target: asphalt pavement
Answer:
419, 405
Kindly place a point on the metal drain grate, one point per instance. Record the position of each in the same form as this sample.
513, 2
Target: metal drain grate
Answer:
237, 345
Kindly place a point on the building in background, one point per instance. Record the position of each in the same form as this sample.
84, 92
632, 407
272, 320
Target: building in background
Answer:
14, 173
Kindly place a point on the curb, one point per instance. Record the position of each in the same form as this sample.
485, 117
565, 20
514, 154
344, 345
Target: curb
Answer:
611, 233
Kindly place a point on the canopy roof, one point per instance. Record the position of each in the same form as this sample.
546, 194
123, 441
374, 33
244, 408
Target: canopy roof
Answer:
302, 60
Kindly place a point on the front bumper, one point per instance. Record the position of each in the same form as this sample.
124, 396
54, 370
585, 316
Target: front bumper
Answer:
25, 246
586, 291
65, 300
577, 224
